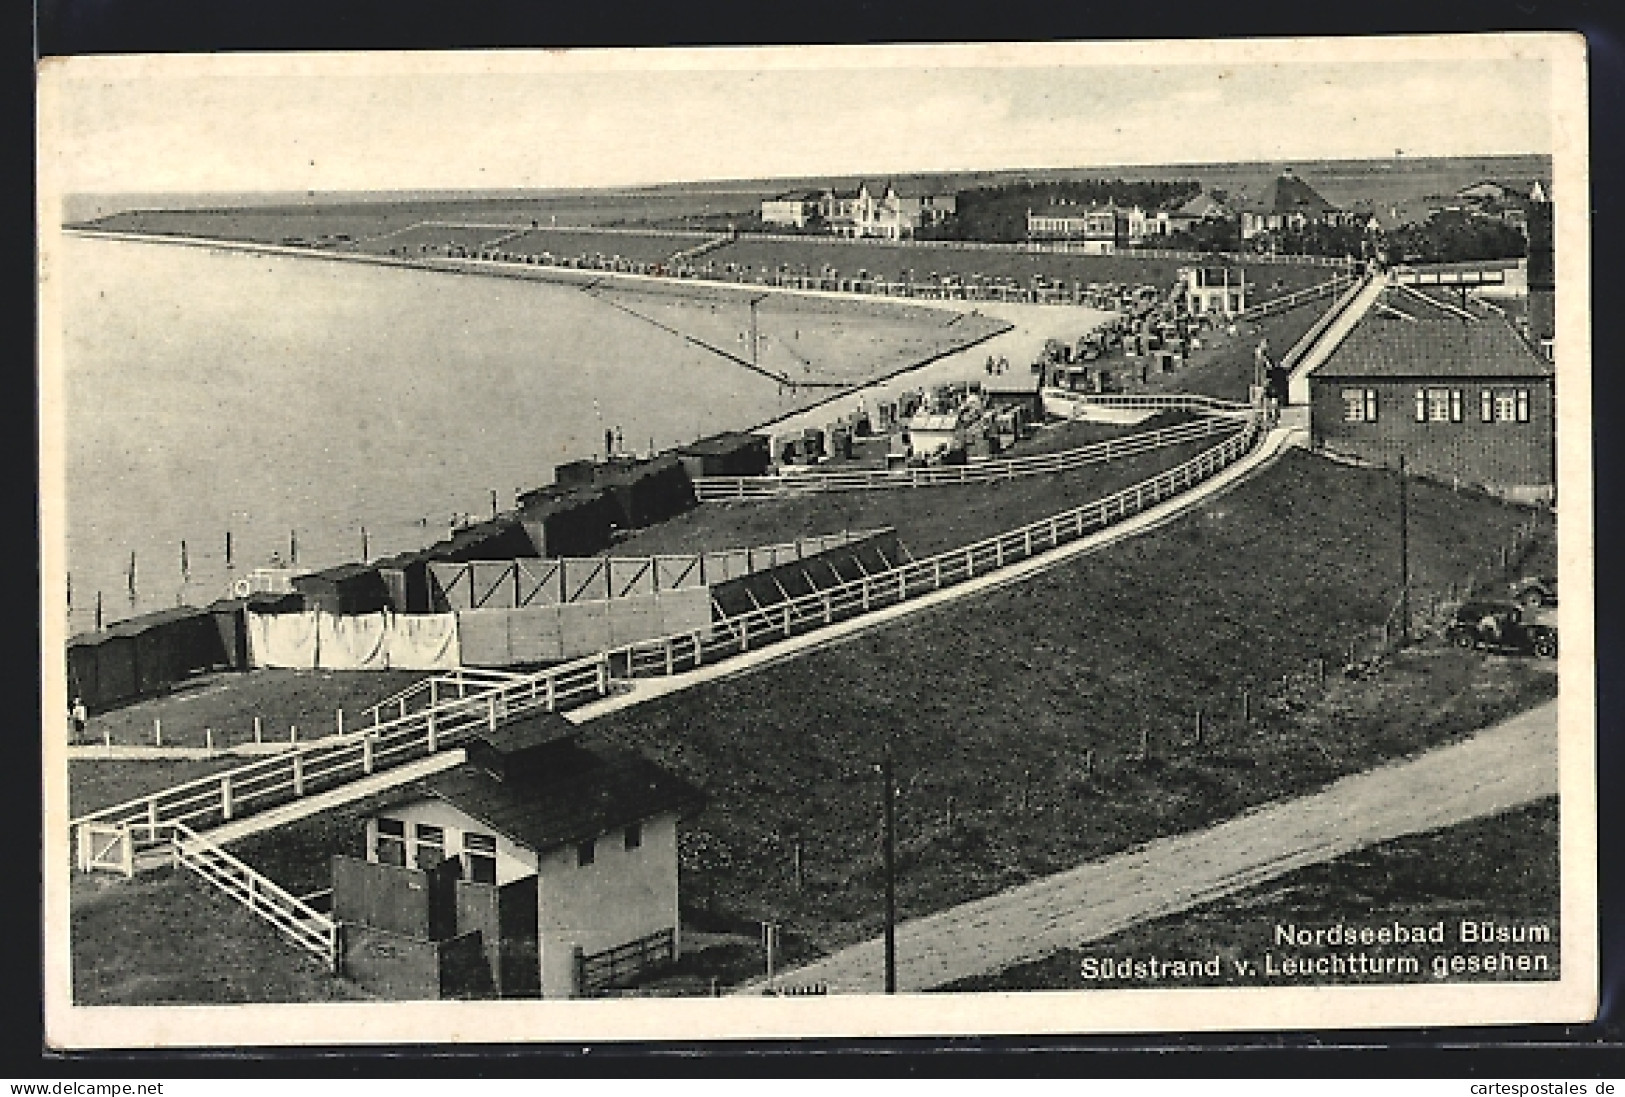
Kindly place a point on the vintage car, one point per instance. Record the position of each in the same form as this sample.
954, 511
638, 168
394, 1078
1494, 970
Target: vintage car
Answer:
1535, 591
1500, 627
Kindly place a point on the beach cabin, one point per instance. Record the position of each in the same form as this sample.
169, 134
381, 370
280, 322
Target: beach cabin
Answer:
536, 868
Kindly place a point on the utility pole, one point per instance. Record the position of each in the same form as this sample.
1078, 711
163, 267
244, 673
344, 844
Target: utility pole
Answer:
1404, 558
753, 336
891, 874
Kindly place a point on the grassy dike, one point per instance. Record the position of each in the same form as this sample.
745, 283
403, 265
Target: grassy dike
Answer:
1017, 717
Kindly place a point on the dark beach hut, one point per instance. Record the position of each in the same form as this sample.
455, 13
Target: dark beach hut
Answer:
143, 656
406, 579
646, 492
732, 453
347, 588
501, 538
231, 621
568, 523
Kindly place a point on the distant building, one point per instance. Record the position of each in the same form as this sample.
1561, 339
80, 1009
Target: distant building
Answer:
1203, 207
889, 212
1101, 229
1214, 291
1288, 203
795, 208
1446, 383
535, 868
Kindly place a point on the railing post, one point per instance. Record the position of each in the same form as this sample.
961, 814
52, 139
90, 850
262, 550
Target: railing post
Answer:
152, 814
403, 708
787, 620
432, 740
434, 692
491, 712
298, 773
603, 675
829, 611
699, 651
366, 752
668, 657
127, 852
551, 697
225, 797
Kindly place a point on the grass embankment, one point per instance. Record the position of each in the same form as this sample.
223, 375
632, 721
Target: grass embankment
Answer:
1503, 868
928, 520
992, 704
226, 704
1223, 365
167, 937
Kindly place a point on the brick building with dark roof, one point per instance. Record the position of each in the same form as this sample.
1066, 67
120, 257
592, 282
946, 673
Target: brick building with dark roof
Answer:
1449, 385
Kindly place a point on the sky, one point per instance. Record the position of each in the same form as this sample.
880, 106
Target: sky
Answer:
467, 120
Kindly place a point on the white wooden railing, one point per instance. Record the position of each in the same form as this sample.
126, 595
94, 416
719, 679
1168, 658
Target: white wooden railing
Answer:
718, 488
486, 700
735, 635
447, 707
302, 924
1293, 300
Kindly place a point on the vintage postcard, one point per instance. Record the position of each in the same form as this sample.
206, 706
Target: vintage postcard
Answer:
741, 543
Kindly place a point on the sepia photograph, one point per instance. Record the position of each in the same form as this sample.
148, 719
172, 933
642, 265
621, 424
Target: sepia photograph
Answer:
816, 541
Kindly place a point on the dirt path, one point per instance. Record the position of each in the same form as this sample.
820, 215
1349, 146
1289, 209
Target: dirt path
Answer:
1500, 768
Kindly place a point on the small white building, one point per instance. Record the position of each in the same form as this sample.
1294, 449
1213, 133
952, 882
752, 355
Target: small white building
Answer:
550, 868
795, 208
1214, 292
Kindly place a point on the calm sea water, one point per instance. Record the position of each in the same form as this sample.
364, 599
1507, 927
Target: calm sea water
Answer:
284, 398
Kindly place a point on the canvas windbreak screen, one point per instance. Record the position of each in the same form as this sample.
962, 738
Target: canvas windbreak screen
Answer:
367, 641
283, 640
424, 642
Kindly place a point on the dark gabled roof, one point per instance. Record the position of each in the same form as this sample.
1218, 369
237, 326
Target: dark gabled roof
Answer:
729, 441
135, 626
797, 196
1435, 342
536, 729
583, 795
1289, 194
336, 574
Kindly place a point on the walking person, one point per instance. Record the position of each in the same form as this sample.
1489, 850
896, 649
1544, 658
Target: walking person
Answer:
78, 717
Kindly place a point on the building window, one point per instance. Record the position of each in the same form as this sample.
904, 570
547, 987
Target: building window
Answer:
480, 856
1486, 406
1506, 407
1523, 405
391, 845
634, 836
585, 853
1359, 405
1421, 406
1455, 405
1439, 405
430, 845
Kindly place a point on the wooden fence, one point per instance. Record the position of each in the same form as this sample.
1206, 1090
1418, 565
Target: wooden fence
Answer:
300, 923
428, 716
716, 488
741, 633
1293, 300
542, 581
